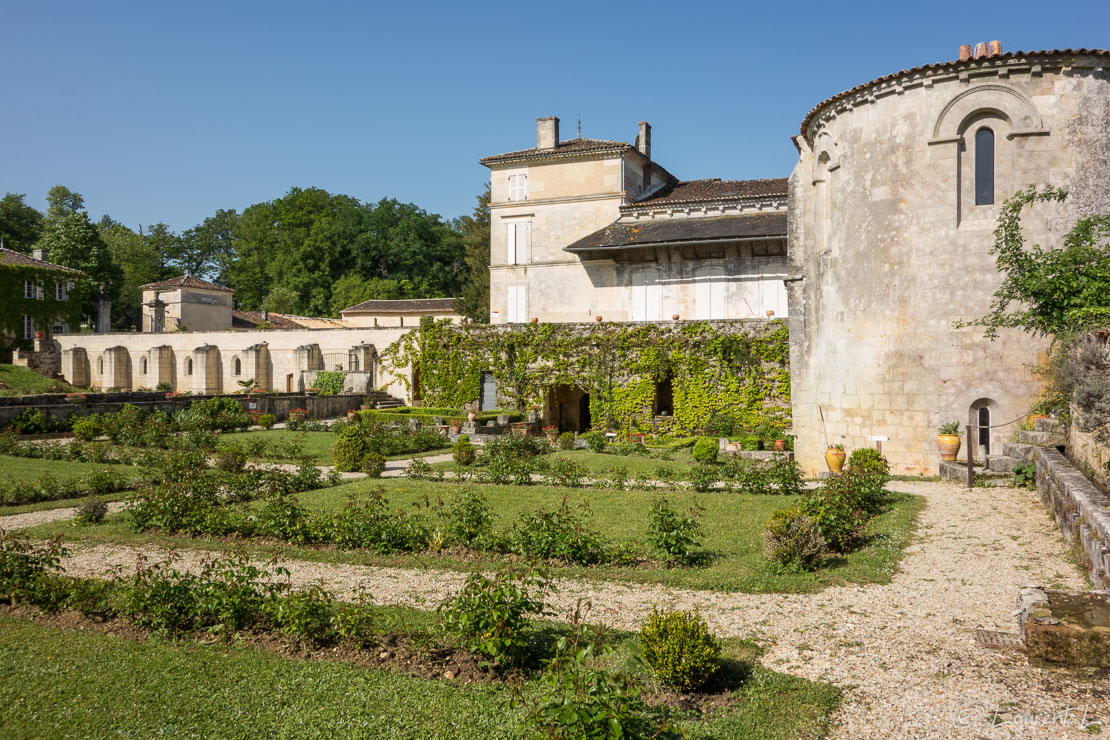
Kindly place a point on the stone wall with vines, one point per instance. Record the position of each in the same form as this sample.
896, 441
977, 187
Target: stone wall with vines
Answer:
735, 368
45, 312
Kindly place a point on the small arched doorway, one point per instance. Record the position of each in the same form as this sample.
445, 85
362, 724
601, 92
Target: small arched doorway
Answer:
980, 417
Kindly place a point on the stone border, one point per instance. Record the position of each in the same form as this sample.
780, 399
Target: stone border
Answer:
1080, 510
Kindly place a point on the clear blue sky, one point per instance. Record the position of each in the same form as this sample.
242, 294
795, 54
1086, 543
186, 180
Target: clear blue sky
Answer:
169, 111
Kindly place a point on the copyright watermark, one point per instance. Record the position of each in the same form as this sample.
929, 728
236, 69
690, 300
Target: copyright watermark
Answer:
1010, 716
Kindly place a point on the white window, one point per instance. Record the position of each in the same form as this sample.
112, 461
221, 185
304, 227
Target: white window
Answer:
647, 296
517, 309
38, 291
58, 329
28, 289
61, 291
518, 234
709, 294
518, 187
28, 327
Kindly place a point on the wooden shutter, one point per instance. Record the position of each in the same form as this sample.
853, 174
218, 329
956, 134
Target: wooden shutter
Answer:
510, 233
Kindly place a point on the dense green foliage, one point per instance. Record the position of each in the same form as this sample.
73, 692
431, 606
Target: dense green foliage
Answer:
489, 616
714, 370
705, 450
473, 300
679, 648
794, 539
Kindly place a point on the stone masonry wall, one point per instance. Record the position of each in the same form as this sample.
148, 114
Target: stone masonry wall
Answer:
1081, 510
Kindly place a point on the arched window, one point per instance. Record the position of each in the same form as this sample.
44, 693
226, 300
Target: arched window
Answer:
984, 428
100, 365
238, 367
142, 366
188, 365
984, 167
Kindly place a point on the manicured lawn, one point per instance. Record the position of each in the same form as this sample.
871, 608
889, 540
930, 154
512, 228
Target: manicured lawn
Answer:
21, 381
26, 468
732, 526
598, 462
317, 445
62, 683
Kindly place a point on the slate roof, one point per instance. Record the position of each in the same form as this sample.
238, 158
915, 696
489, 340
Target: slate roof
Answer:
681, 230
11, 257
950, 65
251, 320
562, 149
431, 305
712, 189
185, 281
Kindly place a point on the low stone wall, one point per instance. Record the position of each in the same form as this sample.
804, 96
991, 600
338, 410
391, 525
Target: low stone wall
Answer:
1081, 510
318, 407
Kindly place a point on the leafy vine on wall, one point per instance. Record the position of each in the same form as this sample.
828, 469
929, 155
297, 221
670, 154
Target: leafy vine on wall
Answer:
45, 312
736, 368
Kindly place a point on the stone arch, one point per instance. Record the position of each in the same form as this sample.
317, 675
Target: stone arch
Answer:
981, 412
1010, 104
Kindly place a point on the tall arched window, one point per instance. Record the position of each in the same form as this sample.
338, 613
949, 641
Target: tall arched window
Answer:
142, 366
188, 365
238, 367
984, 167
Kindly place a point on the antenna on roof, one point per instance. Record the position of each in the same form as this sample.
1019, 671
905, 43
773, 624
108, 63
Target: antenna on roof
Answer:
579, 123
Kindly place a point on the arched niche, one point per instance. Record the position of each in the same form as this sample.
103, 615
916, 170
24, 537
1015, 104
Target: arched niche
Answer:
1007, 103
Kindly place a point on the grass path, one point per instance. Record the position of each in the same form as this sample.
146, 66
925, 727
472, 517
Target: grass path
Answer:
904, 653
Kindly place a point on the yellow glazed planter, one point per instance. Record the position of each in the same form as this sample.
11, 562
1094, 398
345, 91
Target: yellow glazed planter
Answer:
834, 458
948, 445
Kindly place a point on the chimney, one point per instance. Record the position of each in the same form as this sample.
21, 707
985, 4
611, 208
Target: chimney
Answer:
547, 132
643, 140
980, 50
965, 52
994, 49
265, 315
39, 254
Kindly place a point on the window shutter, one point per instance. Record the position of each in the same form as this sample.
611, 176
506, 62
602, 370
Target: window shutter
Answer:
524, 242
511, 235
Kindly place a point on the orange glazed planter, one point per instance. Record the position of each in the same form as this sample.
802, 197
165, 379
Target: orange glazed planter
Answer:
948, 445
834, 458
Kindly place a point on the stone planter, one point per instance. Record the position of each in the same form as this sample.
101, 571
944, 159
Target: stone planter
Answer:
948, 445
834, 458
1065, 628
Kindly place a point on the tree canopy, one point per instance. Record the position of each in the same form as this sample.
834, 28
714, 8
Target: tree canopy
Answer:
473, 299
20, 224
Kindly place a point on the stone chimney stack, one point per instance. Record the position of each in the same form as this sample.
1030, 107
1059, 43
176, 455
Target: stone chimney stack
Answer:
994, 49
39, 254
643, 140
980, 50
965, 52
547, 132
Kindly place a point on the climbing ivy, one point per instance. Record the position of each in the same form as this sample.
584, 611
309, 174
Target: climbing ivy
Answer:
45, 312
735, 368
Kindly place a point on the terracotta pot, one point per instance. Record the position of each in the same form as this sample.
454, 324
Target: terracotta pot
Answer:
535, 320
834, 458
780, 445
352, 414
40, 334
597, 318
366, 407
456, 429
470, 416
674, 317
770, 314
948, 445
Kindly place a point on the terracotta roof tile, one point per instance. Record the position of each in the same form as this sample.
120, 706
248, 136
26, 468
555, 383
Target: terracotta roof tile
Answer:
712, 189
185, 281
251, 320
437, 305
949, 65
564, 148
11, 257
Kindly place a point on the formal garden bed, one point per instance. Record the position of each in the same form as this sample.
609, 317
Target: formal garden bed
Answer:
489, 646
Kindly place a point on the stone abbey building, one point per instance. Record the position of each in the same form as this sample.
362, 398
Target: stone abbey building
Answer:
873, 248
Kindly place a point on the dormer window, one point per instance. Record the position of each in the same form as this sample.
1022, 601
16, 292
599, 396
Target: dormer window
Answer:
518, 187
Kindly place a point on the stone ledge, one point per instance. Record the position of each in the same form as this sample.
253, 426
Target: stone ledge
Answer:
1081, 510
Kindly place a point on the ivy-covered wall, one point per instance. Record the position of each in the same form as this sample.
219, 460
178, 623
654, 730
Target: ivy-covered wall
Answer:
735, 368
45, 312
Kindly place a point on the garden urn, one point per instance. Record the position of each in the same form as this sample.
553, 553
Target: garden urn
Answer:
948, 445
780, 445
470, 416
834, 458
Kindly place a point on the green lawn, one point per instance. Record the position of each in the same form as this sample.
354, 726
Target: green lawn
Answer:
598, 462
26, 468
317, 445
732, 526
63, 683
22, 381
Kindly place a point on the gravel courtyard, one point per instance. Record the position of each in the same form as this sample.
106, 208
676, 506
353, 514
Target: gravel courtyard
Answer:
905, 654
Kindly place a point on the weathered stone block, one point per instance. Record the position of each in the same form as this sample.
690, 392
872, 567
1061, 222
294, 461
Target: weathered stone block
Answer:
1064, 627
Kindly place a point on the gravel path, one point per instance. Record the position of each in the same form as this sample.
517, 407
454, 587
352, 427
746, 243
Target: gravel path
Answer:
904, 653
35, 518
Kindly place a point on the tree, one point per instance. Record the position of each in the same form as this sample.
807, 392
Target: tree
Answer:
280, 300
1048, 291
207, 250
473, 300
140, 264
352, 289
20, 224
61, 201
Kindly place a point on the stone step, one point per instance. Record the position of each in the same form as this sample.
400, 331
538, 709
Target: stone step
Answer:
1018, 450
1004, 463
1048, 425
956, 470
1042, 439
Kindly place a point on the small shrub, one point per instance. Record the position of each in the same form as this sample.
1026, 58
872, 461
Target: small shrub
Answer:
751, 442
749, 476
102, 482
679, 649
86, 430
702, 477
349, 449
565, 473
1025, 475
419, 469
267, 421
617, 477
463, 451
786, 475
230, 460
792, 538
29, 573
562, 534
490, 615
869, 472
470, 517
595, 440
307, 616
705, 450
92, 511
836, 508
373, 464
676, 535
565, 441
